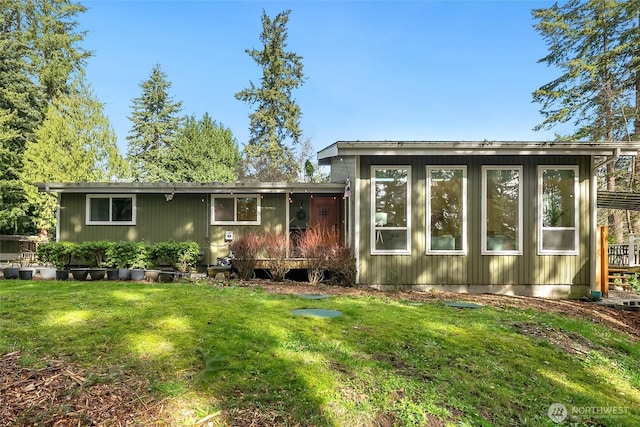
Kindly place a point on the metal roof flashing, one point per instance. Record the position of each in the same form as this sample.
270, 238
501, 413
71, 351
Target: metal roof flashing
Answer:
477, 148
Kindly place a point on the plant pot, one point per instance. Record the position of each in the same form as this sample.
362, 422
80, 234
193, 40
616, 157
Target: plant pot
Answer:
62, 274
113, 274
97, 273
80, 273
47, 273
26, 273
124, 274
10, 272
166, 276
137, 274
152, 275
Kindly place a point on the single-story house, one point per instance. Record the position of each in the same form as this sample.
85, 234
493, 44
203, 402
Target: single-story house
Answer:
485, 216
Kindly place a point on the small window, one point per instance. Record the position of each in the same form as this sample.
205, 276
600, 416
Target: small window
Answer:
446, 209
244, 210
390, 210
105, 209
558, 210
501, 210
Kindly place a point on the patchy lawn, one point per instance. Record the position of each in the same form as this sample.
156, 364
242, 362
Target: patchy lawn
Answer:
109, 353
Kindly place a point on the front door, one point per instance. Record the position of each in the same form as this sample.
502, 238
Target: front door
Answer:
324, 212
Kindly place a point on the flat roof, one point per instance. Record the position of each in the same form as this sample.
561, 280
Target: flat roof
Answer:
619, 200
476, 148
188, 187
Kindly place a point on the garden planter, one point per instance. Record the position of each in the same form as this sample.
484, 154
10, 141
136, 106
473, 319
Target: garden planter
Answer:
26, 273
47, 273
113, 274
97, 273
124, 274
137, 274
152, 275
62, 274
10, 272
80, 273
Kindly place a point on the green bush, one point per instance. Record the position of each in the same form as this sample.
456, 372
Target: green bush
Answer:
58, 254
121, 254
182, 256
94, 253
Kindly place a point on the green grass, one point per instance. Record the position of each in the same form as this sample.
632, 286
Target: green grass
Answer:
227, 349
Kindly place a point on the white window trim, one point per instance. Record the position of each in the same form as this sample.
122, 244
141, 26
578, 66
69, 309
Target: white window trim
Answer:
576, 193
134, 206
462, 251
235, 208
372, 207
483, 240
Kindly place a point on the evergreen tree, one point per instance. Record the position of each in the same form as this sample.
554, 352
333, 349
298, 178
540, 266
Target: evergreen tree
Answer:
55, 52
155, 125
204, 151
74, 144
267, 157
595, 45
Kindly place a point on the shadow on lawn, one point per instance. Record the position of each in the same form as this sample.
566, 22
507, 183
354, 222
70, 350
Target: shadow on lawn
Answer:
182, 341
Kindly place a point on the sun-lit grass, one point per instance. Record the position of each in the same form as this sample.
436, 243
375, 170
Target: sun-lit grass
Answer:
211, 350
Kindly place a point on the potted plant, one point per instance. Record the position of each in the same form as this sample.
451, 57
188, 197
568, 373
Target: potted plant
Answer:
95, 254
139, 261
10, 272
43, 254
188, 255
121, 255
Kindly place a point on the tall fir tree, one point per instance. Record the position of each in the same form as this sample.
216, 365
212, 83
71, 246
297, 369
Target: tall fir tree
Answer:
52, 33
204, 151
276, 119
155, 123
75, 143
594, 44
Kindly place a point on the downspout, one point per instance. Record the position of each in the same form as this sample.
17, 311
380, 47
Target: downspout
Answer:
593, 208
356, 219
58, 217
287, 229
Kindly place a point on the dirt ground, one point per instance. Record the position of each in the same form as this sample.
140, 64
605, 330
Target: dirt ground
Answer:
61, 394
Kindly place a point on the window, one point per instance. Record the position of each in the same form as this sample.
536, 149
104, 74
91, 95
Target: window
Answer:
243, 209
103, 209
390, 208
501, 210
446, 209
558, 209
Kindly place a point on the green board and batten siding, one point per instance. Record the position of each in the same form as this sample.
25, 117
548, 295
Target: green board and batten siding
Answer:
474, 268
186, 217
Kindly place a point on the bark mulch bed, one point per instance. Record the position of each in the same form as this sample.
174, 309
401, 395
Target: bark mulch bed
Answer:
61, 394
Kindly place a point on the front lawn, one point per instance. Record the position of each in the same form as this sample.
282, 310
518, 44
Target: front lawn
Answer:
237, 355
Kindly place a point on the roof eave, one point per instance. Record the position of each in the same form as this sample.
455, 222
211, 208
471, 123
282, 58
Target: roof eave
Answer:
186, 188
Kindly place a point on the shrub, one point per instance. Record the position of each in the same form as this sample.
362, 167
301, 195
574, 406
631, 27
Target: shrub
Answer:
314, 245
276, 247
121, 254
181, 256
245, 250
341, 265
140, 256
57, 254
94, 252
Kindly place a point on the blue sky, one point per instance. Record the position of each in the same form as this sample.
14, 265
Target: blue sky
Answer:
376, 70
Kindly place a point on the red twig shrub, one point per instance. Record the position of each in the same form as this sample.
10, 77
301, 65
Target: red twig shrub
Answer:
315, 246
245, 251
341, 265
276, 247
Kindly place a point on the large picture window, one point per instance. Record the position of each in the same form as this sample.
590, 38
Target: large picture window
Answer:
446, 209
558, 209
244, 210
104, 209
390, 209
501, 210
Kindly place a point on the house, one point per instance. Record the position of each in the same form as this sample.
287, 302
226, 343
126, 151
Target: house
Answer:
485, 216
